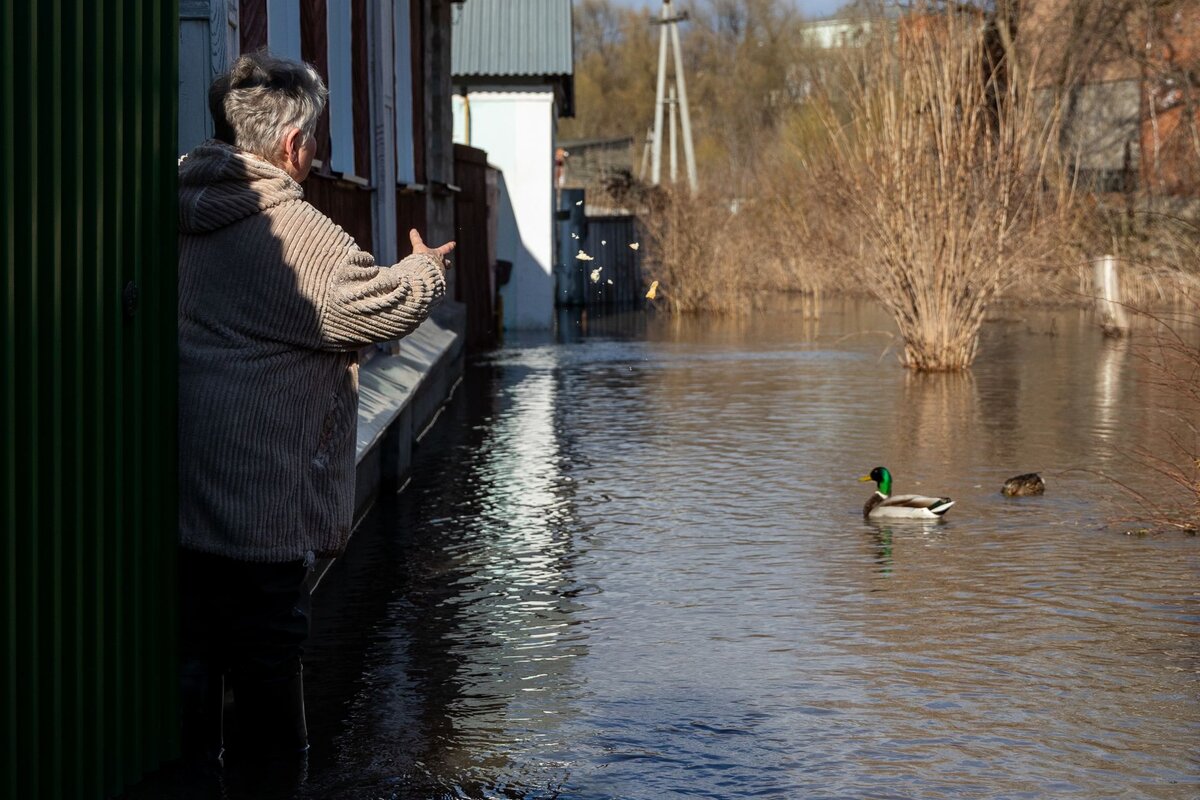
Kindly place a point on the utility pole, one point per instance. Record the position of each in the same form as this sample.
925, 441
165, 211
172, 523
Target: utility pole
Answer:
671, 21
646, 153
674, 137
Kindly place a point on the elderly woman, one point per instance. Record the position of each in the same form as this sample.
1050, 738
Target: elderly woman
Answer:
274, 301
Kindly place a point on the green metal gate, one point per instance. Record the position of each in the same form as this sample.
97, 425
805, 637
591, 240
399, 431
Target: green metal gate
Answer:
87, 486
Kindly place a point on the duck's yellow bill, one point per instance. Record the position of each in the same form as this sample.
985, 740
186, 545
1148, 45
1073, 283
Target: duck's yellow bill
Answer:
864, 478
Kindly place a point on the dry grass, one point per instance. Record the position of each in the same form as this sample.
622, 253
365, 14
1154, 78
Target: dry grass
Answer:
713, 255
697, 268
1156, 245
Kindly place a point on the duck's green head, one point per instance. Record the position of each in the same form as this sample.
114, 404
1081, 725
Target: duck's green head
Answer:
882, 477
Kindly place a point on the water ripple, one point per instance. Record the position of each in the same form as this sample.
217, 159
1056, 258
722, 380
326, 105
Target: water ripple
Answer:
636, 567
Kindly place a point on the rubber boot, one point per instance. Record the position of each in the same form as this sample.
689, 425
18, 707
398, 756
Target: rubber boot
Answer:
269, 716
203, 704
268, 756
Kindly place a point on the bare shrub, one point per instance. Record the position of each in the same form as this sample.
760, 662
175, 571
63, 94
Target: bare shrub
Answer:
713, 254
1168, 345
696, 254
934, 169
1172, 355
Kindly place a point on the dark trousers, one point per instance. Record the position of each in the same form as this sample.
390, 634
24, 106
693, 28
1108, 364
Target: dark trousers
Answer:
244, 623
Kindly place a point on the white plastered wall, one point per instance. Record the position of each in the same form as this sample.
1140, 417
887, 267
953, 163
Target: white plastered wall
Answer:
516, 128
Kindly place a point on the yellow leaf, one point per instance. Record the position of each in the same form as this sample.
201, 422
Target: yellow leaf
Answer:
653, 290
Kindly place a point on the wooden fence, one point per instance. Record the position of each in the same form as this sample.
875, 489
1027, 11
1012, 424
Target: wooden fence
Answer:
474, 276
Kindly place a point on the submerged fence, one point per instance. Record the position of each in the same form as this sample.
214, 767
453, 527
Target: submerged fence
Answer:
599, 258
618, 284
87, 486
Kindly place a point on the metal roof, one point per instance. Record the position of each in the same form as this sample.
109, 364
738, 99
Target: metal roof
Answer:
526, 38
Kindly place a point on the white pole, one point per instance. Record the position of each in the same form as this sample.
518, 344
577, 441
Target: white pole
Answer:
1108, 296
684, 117
646, 154
660, 90
674, 138
1117, 302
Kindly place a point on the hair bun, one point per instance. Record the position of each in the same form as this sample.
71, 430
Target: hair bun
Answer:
249, 72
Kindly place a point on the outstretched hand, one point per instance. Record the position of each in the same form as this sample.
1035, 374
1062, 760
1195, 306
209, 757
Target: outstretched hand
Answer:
419, 246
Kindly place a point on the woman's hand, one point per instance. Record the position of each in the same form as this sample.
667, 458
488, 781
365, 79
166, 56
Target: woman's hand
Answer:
419, 246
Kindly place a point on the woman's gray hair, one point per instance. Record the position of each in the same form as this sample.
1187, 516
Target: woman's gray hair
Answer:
268, 96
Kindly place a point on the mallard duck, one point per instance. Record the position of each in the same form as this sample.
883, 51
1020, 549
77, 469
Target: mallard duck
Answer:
1024, 485
884, 505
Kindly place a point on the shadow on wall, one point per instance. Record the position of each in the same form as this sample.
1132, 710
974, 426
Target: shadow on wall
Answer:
528, 297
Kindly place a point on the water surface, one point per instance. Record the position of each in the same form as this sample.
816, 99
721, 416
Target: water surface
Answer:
632, 564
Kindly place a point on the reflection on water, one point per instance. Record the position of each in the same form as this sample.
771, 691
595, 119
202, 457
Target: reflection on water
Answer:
634, 565
1108, 387
936, 414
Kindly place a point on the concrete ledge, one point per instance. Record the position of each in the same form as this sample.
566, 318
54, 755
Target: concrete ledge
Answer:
389, 384
399, 397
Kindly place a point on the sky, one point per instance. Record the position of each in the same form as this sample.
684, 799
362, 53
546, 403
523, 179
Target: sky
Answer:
810, 8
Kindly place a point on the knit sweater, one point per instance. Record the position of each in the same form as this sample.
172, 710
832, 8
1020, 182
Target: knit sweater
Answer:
274, 300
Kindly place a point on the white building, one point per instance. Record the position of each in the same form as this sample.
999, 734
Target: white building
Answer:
512, 72
830, 34
853, 25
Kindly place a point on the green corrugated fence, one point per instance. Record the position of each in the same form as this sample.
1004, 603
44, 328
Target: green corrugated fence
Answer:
87, 496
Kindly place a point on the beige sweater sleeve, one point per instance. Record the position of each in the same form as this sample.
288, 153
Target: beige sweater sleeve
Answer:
366, 303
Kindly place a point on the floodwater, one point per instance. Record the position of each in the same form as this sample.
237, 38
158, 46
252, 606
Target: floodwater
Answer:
633, 564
